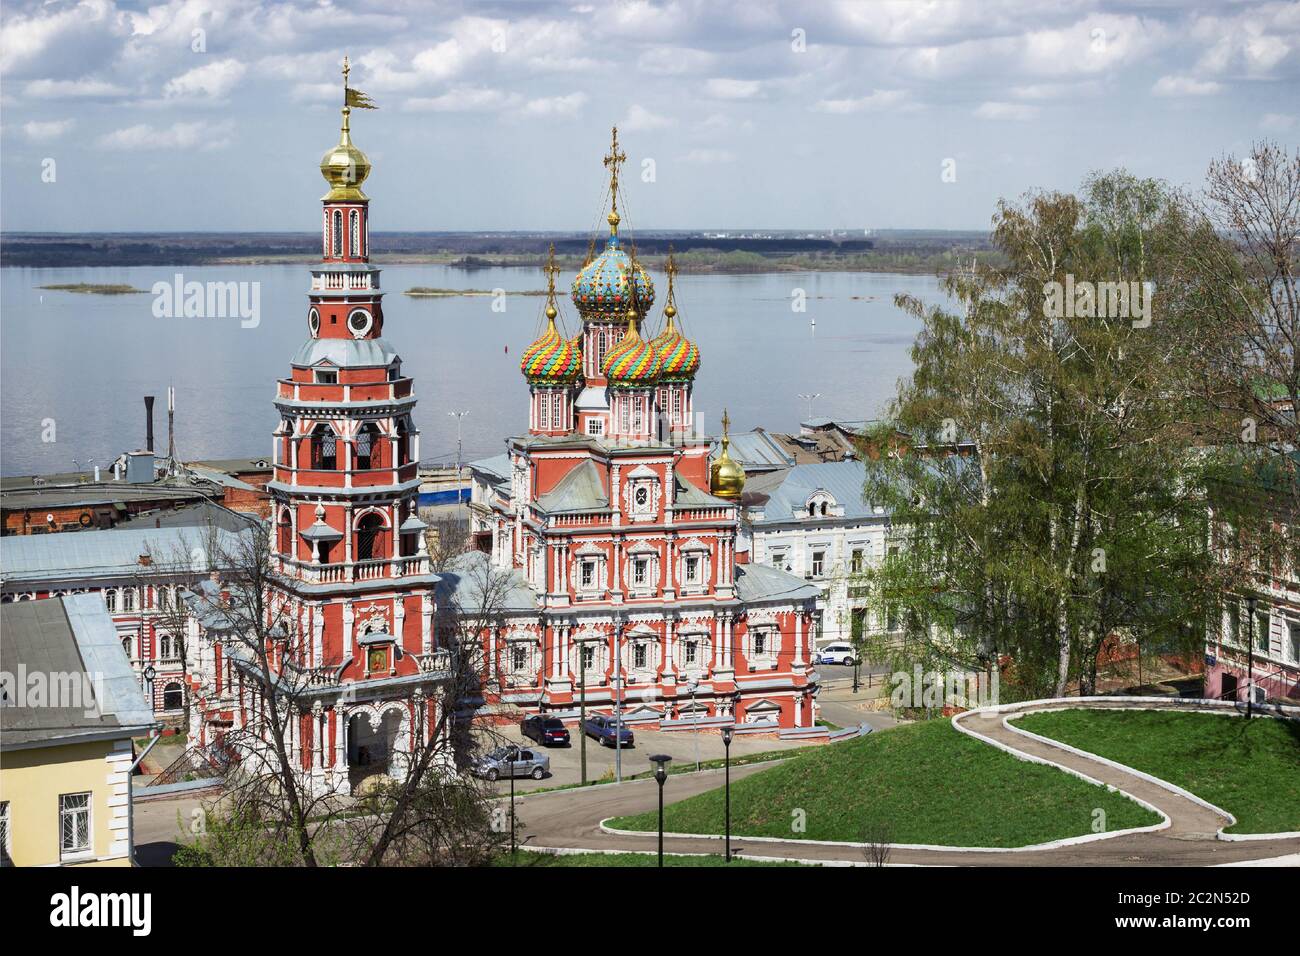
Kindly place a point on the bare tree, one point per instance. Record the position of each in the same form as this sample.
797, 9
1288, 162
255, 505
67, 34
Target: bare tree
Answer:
268, 799
439, 814
876, 844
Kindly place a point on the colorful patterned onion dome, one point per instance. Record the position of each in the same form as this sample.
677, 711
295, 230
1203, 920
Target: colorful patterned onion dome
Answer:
603, 289
633, 362
552, 359
679, 358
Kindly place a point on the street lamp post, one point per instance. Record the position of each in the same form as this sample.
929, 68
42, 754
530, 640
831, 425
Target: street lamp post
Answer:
661, 775
512, 803
726, 743
1251, 603
692, 687
582, 707
618, 702
458, 416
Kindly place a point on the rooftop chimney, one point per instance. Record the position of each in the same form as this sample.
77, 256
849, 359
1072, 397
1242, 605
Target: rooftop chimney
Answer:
148, 423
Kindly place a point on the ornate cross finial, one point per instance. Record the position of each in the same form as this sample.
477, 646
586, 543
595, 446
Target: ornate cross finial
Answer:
670, 301
613, 160
551, 270
347, 68
726, 424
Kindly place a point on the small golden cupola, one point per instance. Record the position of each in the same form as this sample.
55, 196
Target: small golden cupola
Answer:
344, 166
726, 477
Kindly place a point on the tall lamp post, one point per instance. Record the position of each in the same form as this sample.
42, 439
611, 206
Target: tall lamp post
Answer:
459, 416
511, 753
582, 706
618, 701
726, 744
1251, 603
661, 775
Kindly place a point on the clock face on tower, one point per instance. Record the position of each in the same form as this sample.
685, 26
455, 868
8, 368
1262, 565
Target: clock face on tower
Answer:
360, 322
313, 322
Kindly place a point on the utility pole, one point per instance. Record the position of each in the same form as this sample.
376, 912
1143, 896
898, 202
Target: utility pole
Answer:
810, 399
171, 430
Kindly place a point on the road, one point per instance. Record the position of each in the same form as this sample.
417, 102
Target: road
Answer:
571, 818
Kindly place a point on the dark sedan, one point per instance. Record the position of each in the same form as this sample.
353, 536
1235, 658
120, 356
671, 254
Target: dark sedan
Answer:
547, 731
606, 731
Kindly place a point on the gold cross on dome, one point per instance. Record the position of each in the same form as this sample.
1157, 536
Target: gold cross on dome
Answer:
613, 160
346, 70
726, 423
551, 270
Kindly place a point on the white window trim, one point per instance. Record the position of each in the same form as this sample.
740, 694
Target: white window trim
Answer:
89, 851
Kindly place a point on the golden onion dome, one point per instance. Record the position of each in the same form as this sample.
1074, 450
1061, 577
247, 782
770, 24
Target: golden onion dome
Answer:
726, 477
633, 362
345, 167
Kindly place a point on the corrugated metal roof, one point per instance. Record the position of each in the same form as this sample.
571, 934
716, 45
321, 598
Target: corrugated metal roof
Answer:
95, 554
757, 450
842, 480
498, 466
60, 638
465, 579
759, 582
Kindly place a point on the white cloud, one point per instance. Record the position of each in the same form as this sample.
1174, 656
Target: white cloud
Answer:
213, 80
142, 136
640, 118
675, 61
50, 37
874, 101
992, 110
1276, 122
1184, 86
463, 100
725, 88
72, 89
555, 105
47, 129
709, 157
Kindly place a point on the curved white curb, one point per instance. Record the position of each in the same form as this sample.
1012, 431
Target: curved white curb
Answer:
1229, 711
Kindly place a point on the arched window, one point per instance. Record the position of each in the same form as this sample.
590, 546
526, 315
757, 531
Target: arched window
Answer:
324, 449
167, 649
370, 530
284, 532
173, 698
368, 446
338, 233
126, 646
110, 600
544, 411
128, 599
823, 509
355, 247
403, 441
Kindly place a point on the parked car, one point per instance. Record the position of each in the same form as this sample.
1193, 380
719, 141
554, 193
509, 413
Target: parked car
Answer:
547, 731
508, 760
837, 654
603, 728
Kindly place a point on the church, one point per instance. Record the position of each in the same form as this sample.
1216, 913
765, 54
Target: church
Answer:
623, 532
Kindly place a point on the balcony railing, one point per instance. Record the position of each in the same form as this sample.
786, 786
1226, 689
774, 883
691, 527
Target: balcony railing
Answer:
369, 570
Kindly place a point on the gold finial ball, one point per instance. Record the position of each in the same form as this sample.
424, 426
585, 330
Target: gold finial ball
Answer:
551, 312
613, 219
670, 311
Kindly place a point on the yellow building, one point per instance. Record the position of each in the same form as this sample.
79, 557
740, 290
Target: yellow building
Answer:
71, 706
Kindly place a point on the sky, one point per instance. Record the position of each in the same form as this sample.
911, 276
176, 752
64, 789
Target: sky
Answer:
865, 114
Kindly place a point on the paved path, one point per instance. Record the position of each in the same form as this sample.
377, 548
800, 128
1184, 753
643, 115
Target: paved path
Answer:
571, 818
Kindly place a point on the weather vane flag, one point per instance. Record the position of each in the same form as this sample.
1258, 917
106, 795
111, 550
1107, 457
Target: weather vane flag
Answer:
353, 97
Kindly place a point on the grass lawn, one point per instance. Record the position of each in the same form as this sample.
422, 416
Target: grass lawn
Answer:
921, 783
526, 858
1249, 768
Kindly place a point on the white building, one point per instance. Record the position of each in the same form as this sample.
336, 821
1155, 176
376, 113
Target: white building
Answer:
811, 520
